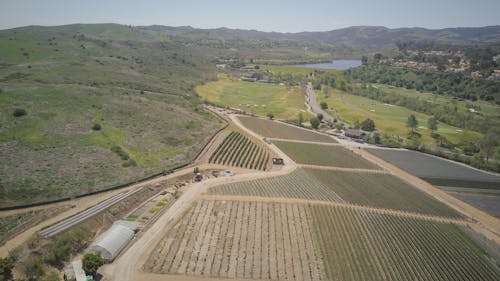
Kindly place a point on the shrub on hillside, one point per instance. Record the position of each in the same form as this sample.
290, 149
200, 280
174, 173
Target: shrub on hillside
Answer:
96, 127
18, 112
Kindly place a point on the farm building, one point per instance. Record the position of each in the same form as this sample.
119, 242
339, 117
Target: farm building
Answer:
355, 134
113, 241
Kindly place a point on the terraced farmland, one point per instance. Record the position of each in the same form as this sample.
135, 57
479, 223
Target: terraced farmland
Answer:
238, 150
360, 245
381, 191
236, 239
273, 129
298, 184
325, 155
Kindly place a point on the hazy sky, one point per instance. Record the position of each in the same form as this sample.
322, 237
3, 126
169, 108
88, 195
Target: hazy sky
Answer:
265, 15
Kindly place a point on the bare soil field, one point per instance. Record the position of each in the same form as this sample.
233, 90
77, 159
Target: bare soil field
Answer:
274, 129
326, 155
245, 240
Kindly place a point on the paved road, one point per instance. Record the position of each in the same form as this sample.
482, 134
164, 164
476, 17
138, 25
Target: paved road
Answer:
312, 101
73, 220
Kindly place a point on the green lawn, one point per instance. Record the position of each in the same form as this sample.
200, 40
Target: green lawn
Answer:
258, 98
486, 108
390, 118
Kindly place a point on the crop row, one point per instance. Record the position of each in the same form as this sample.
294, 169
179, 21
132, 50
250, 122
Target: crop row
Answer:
236, 239
273, 129
325, 155
298, 184
362, 245
238, 150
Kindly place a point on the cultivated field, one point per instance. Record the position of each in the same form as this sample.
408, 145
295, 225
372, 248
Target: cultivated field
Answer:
380, 191
361, 245
256, 98
272, 129
236, 239
279, 241
325, 155
298, 184
438, 171
238, 150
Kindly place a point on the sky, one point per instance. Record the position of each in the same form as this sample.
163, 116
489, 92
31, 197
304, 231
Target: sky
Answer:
263, 15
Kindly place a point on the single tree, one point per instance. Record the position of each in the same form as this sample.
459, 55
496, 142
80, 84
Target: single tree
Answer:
34, 269
323, 105
6, 266
18, 112
320, 117
96, 127
270, 116
368, 125
91, 263
301, 119
489, 143
364, 60
432, 124
412, 123
315, 122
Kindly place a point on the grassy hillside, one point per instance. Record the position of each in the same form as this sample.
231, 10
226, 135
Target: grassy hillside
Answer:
70, 81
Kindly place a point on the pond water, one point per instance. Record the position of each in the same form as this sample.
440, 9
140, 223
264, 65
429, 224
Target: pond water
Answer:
335, 64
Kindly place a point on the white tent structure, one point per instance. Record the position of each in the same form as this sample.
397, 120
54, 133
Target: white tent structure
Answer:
113, 241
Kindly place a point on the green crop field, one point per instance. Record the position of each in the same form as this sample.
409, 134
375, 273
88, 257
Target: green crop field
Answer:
238, 150
361, 245
273, 129
438, 171
380, 191
325, 155
389, 118
256, 98
298, 184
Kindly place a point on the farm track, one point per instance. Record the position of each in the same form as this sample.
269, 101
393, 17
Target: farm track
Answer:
333, 168
332, 203
282, 252
306, 141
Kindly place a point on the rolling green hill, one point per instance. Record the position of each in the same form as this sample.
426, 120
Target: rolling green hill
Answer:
106, 104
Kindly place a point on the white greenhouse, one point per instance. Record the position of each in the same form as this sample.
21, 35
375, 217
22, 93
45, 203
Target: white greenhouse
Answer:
113, 241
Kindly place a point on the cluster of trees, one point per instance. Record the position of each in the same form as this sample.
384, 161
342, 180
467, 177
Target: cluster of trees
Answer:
459, 85
446, 113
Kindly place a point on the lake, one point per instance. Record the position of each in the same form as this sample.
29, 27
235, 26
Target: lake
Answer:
335, 64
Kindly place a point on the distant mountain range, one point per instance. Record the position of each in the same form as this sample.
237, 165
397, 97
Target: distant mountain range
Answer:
357, 36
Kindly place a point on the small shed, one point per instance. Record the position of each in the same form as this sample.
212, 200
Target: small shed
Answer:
113, 241
278, 161
355, 134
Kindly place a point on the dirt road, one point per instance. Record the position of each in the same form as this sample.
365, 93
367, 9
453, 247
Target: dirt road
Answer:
128, 267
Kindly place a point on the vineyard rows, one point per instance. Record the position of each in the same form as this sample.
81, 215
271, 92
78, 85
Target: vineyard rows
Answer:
238, 150
235, 239
381, 191
298, 184
361, 245
325, 155
273, 129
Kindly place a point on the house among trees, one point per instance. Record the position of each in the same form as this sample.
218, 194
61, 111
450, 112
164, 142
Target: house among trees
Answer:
355, 134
